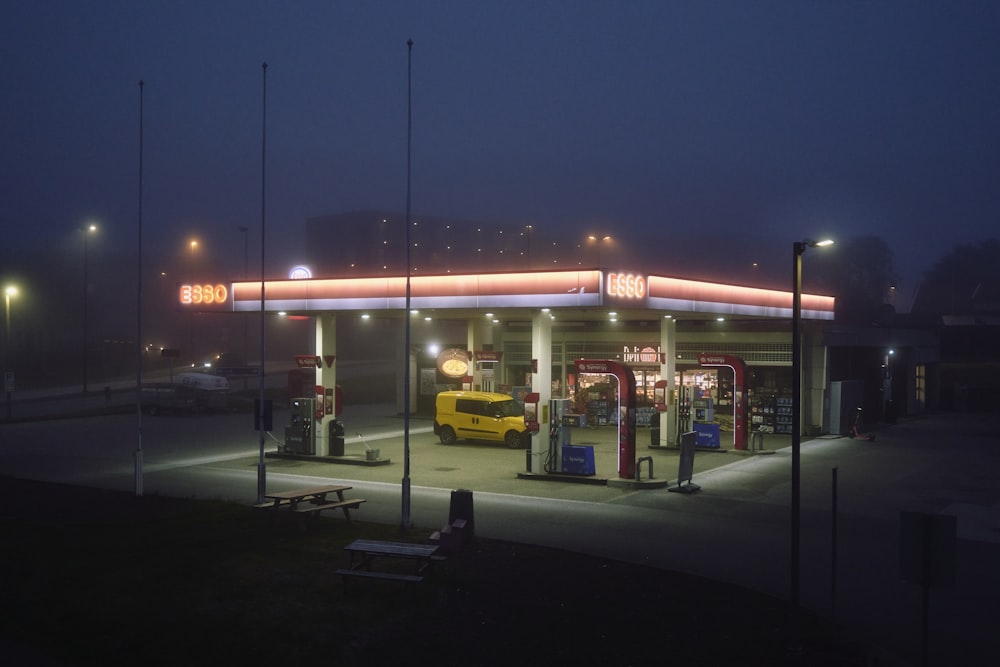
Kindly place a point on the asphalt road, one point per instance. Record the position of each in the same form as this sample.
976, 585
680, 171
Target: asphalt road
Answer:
736, 528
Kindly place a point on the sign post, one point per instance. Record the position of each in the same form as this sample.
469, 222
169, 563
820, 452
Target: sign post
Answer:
927, 557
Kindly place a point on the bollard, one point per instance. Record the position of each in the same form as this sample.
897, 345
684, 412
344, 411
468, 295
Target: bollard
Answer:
461, 508
638, 467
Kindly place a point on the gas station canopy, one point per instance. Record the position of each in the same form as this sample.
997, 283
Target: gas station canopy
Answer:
581, 294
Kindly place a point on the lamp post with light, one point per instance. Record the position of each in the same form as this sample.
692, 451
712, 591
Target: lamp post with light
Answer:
798, 247
192, 266
8, 375
599, 240
87, 231
526, 233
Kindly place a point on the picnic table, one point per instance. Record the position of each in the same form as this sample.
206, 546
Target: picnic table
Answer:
312, 500
368, 550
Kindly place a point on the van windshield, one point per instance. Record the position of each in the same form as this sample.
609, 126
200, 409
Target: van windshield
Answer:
509, 408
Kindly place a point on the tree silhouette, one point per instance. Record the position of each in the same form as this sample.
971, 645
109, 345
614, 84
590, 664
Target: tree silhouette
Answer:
963, 282
859, 272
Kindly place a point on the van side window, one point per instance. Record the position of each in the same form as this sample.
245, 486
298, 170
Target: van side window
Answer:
469, 406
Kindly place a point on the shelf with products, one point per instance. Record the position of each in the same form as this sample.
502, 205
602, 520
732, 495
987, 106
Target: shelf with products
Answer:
598, 412
725, 392
783, 414
646, 416
763, 413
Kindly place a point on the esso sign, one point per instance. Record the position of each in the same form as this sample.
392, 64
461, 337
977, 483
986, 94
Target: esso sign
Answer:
626, 286
203, 295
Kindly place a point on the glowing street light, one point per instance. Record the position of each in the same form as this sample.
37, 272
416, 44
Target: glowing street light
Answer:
8, 375
798, 247
599, 240
88, 230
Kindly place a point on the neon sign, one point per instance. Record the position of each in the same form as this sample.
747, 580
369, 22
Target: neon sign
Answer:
203, 295
626, 286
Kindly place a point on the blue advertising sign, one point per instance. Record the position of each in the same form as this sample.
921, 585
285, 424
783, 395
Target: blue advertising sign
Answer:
578, 459
708, 435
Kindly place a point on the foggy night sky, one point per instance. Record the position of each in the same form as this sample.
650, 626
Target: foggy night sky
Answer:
765, 122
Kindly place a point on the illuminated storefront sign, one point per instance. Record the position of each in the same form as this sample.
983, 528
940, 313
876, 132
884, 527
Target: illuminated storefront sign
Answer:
626, 286
713, 359
453, 362
203, 295
641, 355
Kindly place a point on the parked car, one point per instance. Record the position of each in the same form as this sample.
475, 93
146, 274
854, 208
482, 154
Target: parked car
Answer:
479, 415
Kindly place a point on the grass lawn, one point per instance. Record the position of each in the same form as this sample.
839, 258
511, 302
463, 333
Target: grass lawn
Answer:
92, 577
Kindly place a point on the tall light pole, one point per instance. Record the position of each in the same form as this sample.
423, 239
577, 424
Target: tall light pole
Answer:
526, 233
8, 375
599, 240
261, 466
137, 463
798, 247
246, 274
405, 482
192, 270
87, 231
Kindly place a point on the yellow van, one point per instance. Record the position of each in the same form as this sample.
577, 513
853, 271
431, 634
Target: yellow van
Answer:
479, 415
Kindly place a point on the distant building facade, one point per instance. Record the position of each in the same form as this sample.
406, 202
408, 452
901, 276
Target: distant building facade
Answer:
371, 243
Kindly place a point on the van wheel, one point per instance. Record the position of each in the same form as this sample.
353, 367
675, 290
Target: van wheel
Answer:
513, 439
447, 435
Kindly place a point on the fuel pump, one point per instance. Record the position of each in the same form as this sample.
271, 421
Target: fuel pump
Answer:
684, 412
300, 436
558, 433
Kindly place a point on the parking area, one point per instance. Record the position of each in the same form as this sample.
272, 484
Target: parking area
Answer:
488, 467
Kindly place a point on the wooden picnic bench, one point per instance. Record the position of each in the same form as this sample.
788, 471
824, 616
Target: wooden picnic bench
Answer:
368, 550
311, 501
346, 574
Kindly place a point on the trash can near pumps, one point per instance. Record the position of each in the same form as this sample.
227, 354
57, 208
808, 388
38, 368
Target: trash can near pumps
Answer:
336, 437
461, 508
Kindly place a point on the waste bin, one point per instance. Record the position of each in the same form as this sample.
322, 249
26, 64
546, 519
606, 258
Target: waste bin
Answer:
461, 508
336, 438
654, 436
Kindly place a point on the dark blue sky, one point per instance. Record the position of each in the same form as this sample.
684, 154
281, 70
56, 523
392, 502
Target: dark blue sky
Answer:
767, 122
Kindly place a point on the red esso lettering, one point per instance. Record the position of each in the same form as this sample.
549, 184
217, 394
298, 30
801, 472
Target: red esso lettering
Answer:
626, 286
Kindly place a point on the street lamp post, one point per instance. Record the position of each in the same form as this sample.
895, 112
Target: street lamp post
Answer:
798, 247
526, 233
599, 240
87, 231
246, 274
7, 379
